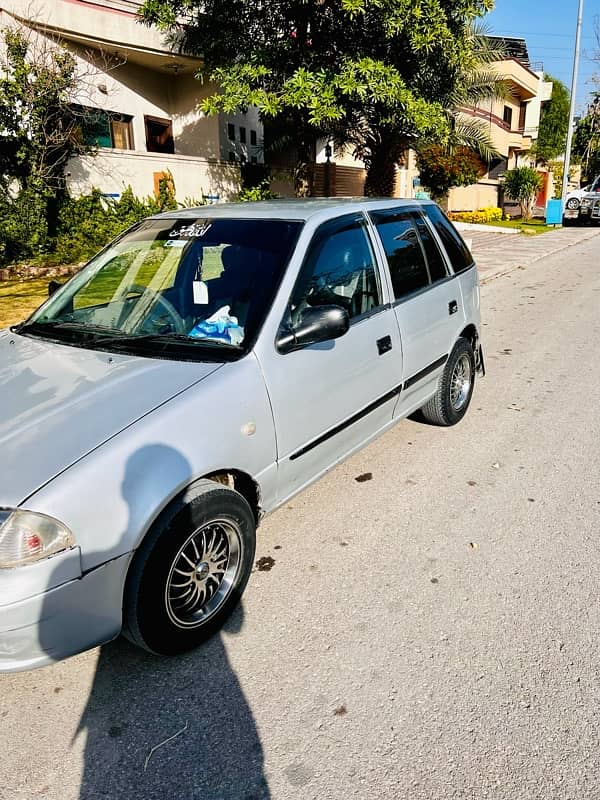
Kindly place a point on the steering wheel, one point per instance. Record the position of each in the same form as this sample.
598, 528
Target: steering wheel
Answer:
157, 299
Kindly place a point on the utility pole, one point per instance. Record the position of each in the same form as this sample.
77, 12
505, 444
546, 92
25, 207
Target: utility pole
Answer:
572, 106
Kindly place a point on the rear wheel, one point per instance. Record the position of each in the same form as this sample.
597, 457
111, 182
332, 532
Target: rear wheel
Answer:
190, 572
455, 387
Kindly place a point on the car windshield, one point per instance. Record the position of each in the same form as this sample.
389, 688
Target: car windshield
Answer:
173, 285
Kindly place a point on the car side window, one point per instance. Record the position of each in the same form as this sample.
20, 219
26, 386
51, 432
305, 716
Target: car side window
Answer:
458, 252
339, 269
435, 259
405, 256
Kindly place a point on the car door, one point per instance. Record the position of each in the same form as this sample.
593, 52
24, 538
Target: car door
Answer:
427, 300
329, 398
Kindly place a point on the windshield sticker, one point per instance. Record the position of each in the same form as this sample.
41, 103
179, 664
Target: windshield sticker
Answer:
193, 231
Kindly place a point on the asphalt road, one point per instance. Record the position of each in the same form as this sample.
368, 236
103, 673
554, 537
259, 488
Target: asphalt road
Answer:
430, 632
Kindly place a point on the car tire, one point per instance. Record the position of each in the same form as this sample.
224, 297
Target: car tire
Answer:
455, 387
572, 204
189, 574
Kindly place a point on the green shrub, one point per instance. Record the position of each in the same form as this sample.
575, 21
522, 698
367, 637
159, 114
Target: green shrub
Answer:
523, 184
440, 170
23, 226
88, 223
260, 192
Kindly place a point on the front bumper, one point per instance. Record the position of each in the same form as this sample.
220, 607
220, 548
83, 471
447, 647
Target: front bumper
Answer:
590, 213
71, 617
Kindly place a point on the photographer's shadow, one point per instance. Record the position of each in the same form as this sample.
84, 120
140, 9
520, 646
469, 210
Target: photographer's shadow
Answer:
139, 701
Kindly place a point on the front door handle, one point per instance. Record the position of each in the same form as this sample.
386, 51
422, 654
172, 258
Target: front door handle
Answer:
384, 345
452, 307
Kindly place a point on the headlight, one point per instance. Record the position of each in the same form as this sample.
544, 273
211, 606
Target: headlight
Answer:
586, 202
26, 536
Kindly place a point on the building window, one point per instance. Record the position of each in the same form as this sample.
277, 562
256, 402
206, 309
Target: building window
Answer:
122, 134
507, 116
159, 135
242, 135
99, 128
253, 138
522, 114
231, 131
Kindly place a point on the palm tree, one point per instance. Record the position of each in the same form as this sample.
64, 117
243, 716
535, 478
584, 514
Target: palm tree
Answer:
479, 82
380, 136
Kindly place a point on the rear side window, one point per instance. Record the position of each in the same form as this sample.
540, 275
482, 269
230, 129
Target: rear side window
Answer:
458, 252
404, 253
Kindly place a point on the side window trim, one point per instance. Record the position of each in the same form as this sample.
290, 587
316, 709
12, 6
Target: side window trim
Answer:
382, 262
438, 240
413, 215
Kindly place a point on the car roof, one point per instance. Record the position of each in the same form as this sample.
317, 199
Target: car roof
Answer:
297, 209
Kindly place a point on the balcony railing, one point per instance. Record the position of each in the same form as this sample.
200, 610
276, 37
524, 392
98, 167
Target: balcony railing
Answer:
130, 6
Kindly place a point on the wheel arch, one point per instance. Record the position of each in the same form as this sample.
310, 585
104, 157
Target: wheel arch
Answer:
243, 483
235, 479
471, 334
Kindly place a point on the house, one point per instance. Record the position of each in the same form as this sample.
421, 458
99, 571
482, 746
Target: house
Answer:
513, 126
141, 102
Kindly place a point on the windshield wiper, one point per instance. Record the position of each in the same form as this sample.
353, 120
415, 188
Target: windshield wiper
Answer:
100, 336
60, 324
124, 339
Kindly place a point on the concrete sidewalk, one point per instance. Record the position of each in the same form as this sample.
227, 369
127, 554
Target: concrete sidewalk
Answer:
497, 254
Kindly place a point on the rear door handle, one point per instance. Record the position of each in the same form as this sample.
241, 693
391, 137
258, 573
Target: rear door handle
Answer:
452, 307
384, 345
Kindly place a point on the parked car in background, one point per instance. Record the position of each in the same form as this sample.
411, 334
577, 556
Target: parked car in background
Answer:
574, 198
198, 372
589, 209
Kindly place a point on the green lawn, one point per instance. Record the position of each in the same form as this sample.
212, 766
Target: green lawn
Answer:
19, 298
533, 227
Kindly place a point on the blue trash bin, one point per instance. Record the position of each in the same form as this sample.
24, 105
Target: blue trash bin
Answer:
554, 212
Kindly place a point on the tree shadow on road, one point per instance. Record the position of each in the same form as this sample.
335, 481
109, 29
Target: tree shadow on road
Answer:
138, 701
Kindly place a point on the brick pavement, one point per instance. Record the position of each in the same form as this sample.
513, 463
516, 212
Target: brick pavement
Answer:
498, 253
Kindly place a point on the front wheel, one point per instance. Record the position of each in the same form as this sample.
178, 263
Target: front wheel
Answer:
189, 573
455, 387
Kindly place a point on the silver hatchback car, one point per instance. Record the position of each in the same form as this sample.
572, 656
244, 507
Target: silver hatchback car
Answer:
197, 373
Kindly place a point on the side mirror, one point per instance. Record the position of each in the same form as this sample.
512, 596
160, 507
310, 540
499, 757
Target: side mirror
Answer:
53, 286
318, 324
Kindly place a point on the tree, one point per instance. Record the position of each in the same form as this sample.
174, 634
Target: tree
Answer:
441, 171
375, 74
39, 134
554, 122
523, 184
586, 140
